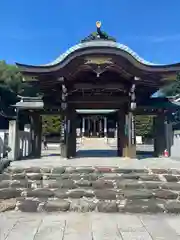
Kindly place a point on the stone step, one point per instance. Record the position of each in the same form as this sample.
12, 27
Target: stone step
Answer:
71, 170
153, 206
121, 190
90, 170
93, 184
109, 176
90, 189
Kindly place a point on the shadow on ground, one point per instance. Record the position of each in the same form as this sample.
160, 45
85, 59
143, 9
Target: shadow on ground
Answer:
110, 153
51, 155
144, 154
97, 153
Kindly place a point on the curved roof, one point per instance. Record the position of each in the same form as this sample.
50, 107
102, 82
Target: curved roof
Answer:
100, 43
101, 47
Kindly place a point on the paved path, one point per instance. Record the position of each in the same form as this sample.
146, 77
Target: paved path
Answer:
94, 226
96, 152
139, 147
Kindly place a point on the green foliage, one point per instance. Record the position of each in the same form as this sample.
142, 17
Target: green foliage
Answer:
11, 80
144, 126
11, 85
172, 89
51, 124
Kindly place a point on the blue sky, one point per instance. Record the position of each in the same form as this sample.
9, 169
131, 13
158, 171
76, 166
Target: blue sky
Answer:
38, 31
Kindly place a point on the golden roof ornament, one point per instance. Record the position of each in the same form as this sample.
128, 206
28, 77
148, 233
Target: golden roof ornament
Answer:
98, 24
98, 35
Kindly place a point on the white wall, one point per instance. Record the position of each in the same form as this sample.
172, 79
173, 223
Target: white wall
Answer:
175, 149
24, 143
3, 134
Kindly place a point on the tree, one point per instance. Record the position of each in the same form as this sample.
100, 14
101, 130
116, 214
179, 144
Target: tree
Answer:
10, 77
144, 126
174, 88
51, 125
12, 80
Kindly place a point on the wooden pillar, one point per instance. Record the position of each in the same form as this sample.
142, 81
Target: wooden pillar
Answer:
159, 135
68, 134
169, 136
36, 131
105, 127
71, 137
39, 136
131, 135
162, 135
100, 127
63, 135
122, 135
83, 126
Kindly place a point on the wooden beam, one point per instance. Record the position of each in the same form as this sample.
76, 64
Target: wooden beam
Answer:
97, 99
99, 86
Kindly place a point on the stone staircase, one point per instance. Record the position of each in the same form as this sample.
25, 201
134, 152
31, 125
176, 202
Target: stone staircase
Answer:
86, 189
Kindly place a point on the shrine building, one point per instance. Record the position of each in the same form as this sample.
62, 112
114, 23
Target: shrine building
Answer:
97, 86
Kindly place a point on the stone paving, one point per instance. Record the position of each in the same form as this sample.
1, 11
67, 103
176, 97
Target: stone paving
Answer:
102, 184
90, 226
39, 198
96, 152
87, 189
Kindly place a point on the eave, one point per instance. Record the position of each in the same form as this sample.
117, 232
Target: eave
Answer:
105, 48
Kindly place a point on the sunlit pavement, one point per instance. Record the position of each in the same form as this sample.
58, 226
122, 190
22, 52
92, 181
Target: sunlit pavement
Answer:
94, 226
96, 152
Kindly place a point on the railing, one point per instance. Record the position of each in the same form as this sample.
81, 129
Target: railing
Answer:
25, 147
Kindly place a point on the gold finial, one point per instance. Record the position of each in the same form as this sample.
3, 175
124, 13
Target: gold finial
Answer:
98, 24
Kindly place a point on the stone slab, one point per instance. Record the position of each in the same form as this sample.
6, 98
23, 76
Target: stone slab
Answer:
88, 226
19, 176
39, 193
107, 207
82, 205
24, 229
173, 222
79, 193
78, 228
28, 205
171, 186
158, 230
5, 183
108, 194
142, 206
7, 193
165, 194
170, 178
151, 177
50, 229
5, 176
107, 231
6, 225
56, 206
137, 194
101, 184
58, 170
172, 207
129, 184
